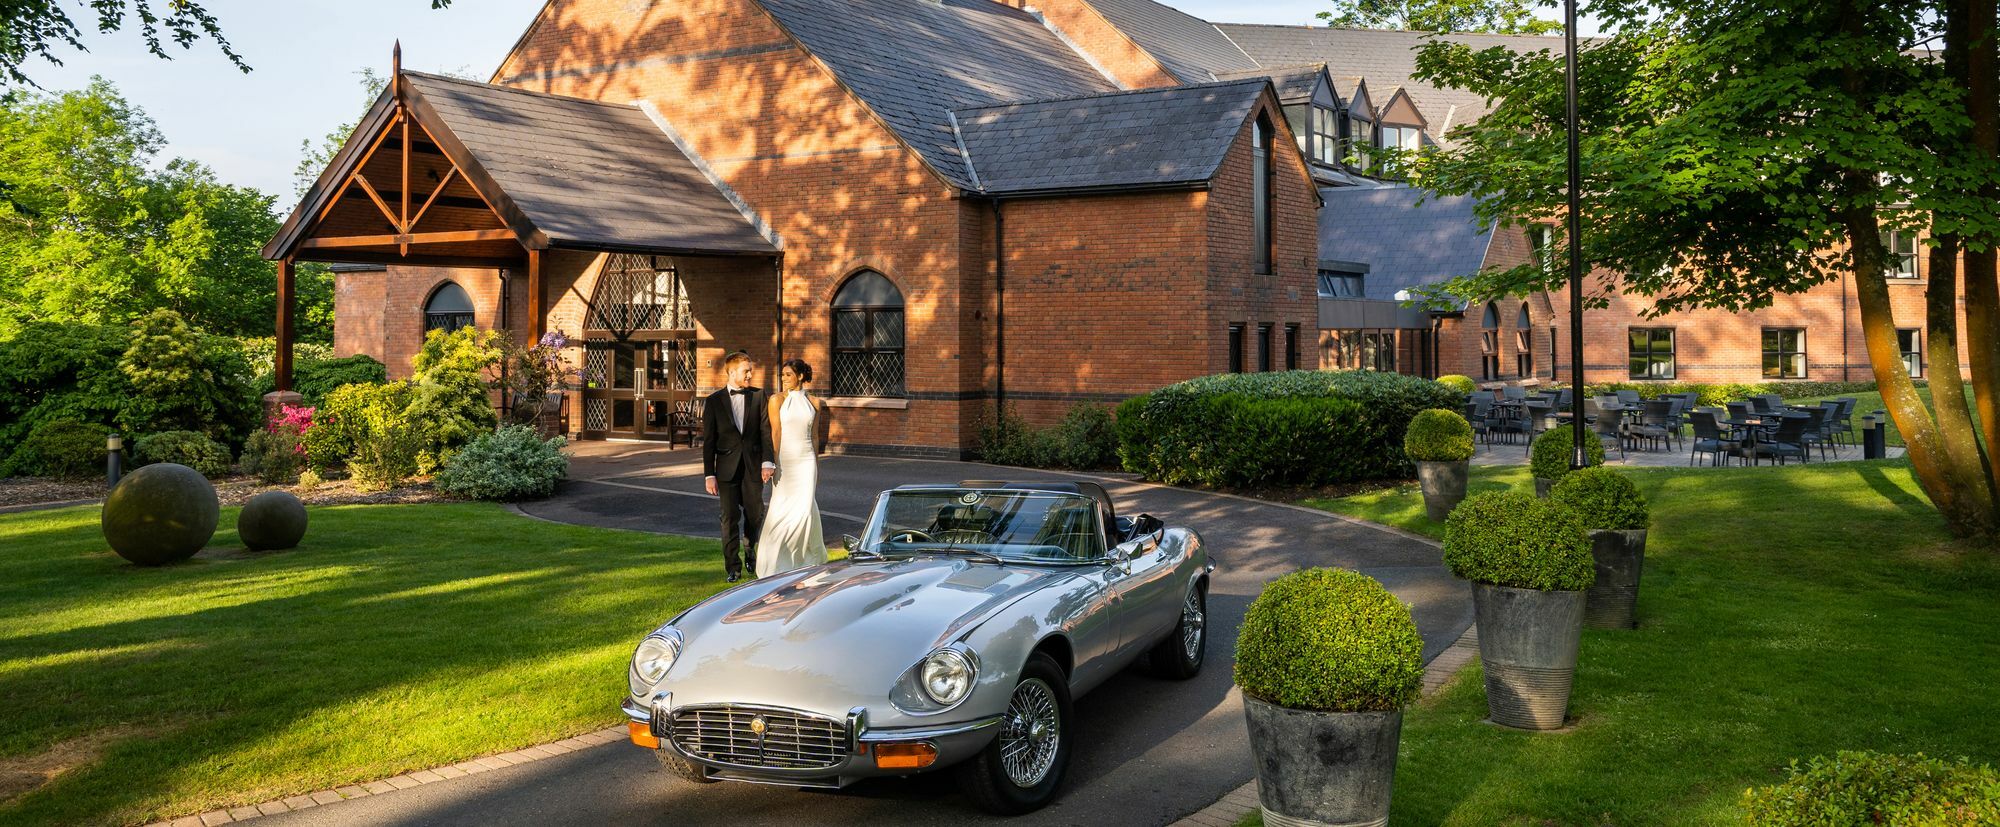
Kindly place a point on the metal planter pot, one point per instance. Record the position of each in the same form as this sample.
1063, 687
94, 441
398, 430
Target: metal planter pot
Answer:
1444, 486
1542, 487
1612, 602
1323, 769
1527, 643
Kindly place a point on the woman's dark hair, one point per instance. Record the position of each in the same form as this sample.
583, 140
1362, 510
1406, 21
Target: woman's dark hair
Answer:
798, 366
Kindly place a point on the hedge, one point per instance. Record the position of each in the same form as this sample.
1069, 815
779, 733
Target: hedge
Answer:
1874, 788
1713, 394
1303, 427
190, 448
313, 379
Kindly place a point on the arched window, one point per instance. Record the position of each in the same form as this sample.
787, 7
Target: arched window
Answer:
448, 309
1521, 321
1524, 344
1492, 319
1261, 231
1489, 343
868, 337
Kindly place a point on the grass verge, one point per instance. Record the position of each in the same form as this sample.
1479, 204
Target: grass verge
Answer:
1785, 612
395, 638
1871, 401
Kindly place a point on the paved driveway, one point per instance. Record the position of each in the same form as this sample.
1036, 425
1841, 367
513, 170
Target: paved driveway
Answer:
1150, 750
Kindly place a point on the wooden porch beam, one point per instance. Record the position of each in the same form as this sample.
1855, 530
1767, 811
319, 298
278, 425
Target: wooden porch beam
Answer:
448, 175
534, 296
282, 361
379, 203
400, 239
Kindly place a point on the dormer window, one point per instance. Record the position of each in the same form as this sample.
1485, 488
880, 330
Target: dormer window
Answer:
1360, 134
1408, 138
1326, 136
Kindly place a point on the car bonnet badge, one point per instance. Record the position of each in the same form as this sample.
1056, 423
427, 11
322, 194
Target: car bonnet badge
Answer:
968, 498
758, 725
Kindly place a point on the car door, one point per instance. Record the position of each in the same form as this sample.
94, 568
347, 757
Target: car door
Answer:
1148, 600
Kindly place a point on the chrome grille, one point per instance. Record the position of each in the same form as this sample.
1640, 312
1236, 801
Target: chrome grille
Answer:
726, 735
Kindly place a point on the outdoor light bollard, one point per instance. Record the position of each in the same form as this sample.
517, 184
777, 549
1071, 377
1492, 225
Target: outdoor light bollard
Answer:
114, 447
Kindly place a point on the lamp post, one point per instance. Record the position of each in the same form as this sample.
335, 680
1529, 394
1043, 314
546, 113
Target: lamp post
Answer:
114, 448
1578, 457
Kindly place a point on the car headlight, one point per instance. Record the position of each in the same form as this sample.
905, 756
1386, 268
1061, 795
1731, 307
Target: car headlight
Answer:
650, 663
946, 677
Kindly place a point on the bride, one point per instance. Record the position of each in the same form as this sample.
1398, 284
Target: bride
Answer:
791, 536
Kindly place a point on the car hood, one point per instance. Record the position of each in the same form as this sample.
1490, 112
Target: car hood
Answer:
832, 637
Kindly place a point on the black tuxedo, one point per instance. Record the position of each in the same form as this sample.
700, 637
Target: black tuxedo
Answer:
735, 458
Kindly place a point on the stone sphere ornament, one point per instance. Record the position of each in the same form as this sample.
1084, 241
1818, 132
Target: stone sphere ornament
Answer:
271, 521
162, 513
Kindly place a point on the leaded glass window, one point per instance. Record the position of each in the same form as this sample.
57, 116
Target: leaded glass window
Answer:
868, 337
448, 309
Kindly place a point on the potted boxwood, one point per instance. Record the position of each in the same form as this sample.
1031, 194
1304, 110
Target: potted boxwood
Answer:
1440, 443
1327, 659
1529, 564
1549, 458
1462, 384
1615, 514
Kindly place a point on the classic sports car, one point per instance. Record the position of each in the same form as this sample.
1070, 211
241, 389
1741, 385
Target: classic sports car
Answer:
955, 634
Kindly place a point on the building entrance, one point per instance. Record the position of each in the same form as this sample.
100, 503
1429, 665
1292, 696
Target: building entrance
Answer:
639, 361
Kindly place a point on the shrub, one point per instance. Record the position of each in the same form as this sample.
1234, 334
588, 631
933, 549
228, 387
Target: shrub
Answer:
513, 463
1329, 640
61, 372
1550, 455
364, 426
272, 456
178, 380
1009, 440
185, 380
188, 448
1604, 499
449, 403
1462, 384
1873, 788
1715, 393
1292, 428
314, 377
1086, 439
1438, 435
1517, 540
70, 450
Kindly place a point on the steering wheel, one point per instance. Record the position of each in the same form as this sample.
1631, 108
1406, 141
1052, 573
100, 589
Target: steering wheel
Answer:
914, 536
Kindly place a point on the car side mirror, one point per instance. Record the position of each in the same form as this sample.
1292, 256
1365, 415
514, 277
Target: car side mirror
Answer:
850, 542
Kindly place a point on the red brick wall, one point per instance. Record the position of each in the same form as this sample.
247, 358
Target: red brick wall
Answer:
1237, 294
395, 333
1128, 64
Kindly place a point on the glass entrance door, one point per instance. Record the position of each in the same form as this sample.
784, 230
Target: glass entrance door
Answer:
638, 389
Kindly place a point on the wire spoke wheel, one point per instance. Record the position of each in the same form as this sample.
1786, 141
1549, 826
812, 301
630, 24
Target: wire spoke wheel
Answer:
1193, 625
1031, 734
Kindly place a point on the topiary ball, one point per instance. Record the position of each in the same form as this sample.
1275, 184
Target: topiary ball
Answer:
1462, 384
1550, 455
270, 521
161, 514
1511, 539
1438, 435
1329, 640
1604, 498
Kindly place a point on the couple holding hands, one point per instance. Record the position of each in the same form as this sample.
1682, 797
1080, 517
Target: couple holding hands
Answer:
749, 437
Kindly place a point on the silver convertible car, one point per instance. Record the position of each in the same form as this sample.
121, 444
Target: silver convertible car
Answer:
955, 634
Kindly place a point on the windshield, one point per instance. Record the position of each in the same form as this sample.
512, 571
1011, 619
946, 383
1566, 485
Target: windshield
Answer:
1018, 525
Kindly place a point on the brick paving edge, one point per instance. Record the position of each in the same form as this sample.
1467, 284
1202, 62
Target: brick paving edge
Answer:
1242, 801
416, 778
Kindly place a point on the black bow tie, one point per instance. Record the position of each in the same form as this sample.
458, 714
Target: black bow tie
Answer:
739, 391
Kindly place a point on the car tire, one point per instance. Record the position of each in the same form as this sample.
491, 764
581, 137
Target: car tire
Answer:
688, 771
1179, 656
1041, 697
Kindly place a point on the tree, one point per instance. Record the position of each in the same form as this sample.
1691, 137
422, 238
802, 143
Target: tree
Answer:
91, 232
39, 28
1493, 16
1736, 150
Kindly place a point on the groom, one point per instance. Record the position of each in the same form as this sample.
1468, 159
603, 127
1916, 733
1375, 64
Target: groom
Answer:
735, 452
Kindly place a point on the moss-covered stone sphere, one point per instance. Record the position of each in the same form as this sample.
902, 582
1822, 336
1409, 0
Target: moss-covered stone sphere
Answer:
160, 514
271, 521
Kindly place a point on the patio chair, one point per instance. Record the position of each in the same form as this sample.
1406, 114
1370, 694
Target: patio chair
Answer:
1842, 421
1815, 433
1563, 398
1608, 425
1789, 441
1653, 424
1475, 413
1541, 417
1709, 438
1769, 403
1740, 411
1514, 392
1629, 399
1677, 408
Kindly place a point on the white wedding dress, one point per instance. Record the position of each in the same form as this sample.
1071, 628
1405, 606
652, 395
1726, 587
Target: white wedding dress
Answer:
791, 537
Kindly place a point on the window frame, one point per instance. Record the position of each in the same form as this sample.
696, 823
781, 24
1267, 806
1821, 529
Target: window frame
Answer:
1291, 347
1898, 266
449, 321
1913, 355
1236, 359
1325, 124
870, 311
1652, 353
1264, 362
1785, 357
1263, 217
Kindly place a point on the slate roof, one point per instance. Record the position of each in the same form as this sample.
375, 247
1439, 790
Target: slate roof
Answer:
1153, 137
1191, 48
913, 61
1404, 245
1295, 84
1387, 58
588, 173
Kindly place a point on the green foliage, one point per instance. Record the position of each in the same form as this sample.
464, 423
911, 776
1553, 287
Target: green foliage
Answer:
1330, 640
1292, 428
190, 448
1876, 788
1550, 454
59, 448
1462, 384
1518, 540
365, 427
314, 377
1085, 440
1438, 435
1714, 394
61, 372
94, 230
39, 29
449, 401
186, 380
1604, 499
513, 463
1495, 16
273, 456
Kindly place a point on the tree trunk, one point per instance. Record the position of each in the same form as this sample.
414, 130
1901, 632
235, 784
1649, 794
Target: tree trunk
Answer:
1956, 438
1976, 54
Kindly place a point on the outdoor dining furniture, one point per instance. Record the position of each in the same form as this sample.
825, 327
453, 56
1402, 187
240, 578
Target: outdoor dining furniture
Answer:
1514, 392
1739, 411
1475, 413
1628, 398
1787, 441
1654, 423
1768, 402
1815, 433
1710, 439
1608, 423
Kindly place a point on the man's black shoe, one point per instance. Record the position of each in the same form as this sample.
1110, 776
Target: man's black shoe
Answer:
735, 577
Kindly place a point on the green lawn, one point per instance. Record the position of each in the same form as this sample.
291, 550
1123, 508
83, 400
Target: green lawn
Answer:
1785, 612
394, 638
1871, 401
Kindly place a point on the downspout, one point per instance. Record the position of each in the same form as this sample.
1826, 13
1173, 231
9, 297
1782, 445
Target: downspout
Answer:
778, 270
506, 397
1844, 343
999, 310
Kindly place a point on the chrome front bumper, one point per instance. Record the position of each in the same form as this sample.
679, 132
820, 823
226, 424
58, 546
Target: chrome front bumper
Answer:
955, 742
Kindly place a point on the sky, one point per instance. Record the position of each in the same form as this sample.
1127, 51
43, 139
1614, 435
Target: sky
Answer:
305, 56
